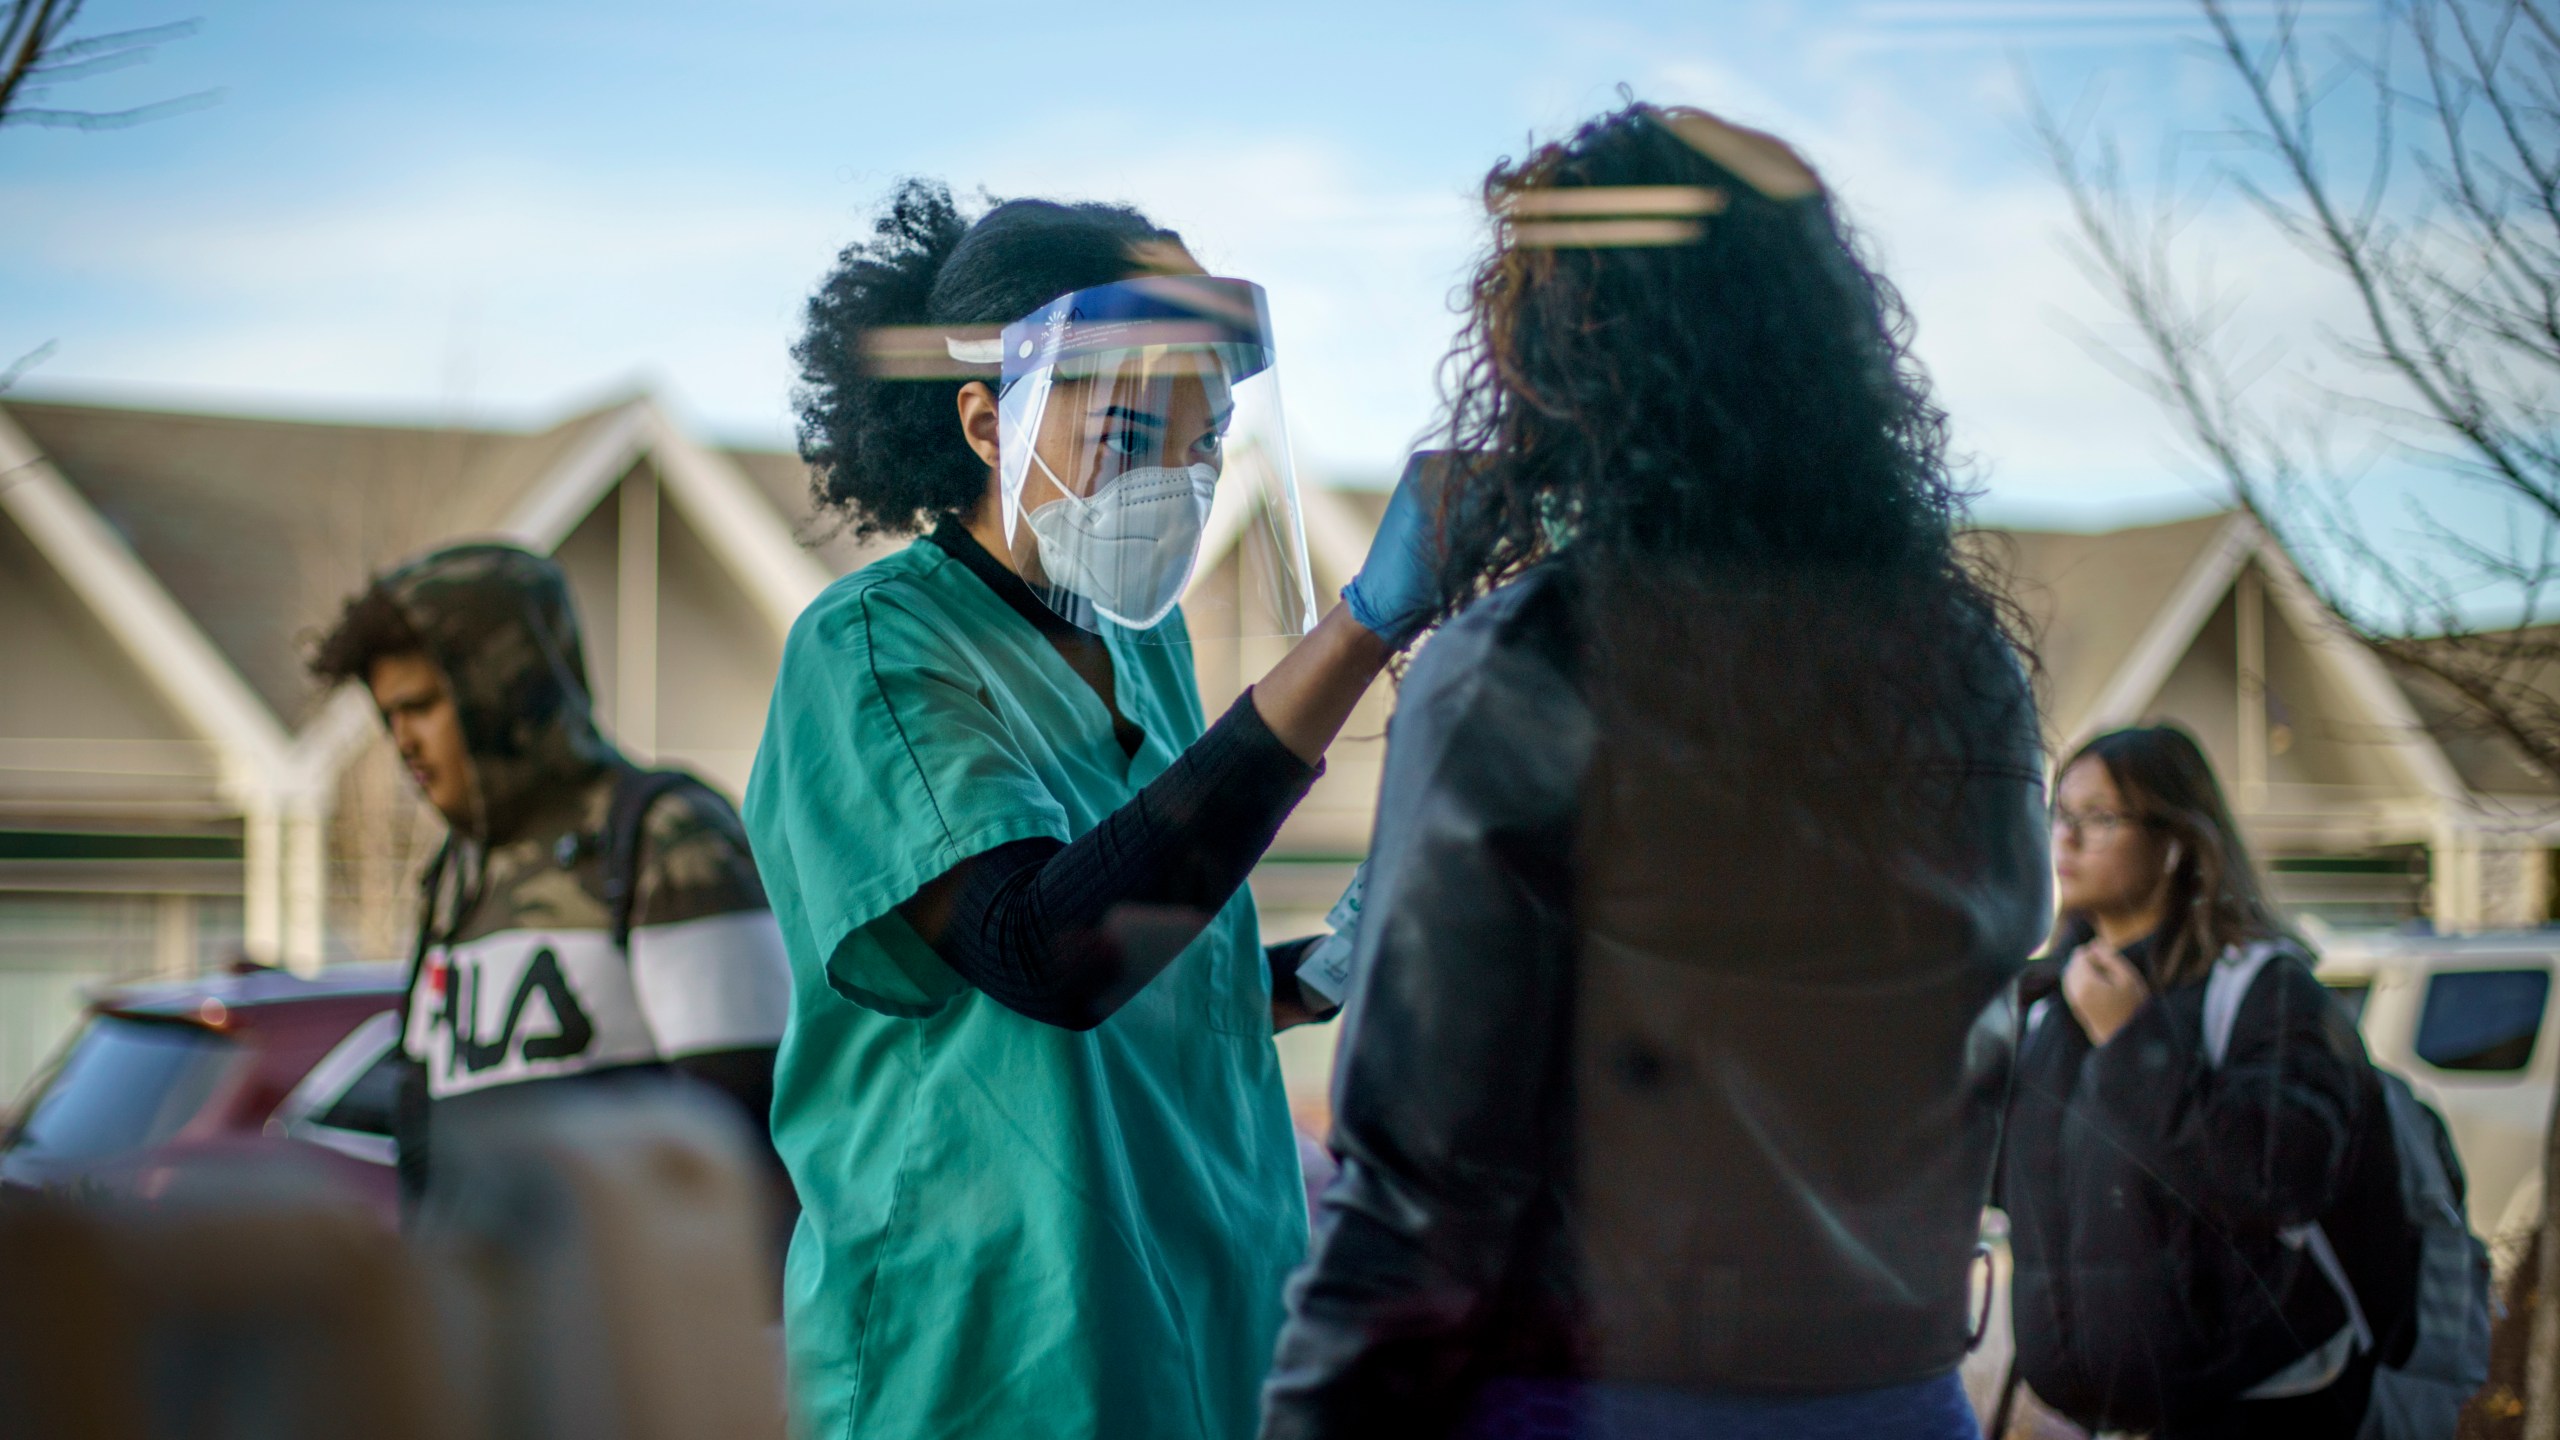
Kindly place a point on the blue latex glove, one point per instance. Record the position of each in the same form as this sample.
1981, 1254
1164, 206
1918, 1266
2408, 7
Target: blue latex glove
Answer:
1398, 585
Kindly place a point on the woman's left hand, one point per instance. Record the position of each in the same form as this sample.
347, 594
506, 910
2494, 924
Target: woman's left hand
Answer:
2103, 990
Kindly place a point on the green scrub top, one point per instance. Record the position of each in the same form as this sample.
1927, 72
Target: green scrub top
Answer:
1007, 1228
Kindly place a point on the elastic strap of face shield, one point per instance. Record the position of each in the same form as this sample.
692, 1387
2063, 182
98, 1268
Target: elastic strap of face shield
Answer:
1018, 410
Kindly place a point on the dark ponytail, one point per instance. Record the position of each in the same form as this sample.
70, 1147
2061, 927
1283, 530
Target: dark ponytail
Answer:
888, 452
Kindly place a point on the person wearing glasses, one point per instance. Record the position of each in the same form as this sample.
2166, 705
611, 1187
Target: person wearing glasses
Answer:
2193, 1140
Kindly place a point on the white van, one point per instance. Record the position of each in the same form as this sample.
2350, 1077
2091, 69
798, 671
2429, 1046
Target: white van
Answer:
2470, 1022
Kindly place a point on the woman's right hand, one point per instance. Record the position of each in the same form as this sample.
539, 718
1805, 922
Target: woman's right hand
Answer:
2103, 990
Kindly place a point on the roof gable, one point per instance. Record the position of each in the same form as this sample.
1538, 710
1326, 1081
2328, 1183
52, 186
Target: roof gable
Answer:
785, 480
258, 529
2092, 600
2488, 762
84, 733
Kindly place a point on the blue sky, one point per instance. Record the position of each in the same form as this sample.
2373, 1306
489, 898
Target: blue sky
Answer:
494, 213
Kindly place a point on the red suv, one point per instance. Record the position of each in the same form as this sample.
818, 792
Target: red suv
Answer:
249, 1062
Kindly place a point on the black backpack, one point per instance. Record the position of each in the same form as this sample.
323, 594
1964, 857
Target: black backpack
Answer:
2441, 1355
634, 791
2413, 1271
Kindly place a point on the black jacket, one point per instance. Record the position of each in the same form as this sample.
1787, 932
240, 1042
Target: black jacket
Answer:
1640, 1082
2146, 1188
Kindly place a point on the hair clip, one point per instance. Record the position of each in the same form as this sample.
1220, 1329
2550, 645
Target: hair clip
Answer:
1610, 216
1626, 200
1758, 159
1604, 234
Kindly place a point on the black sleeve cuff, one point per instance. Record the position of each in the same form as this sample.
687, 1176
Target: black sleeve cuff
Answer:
1031, 924
1283, 960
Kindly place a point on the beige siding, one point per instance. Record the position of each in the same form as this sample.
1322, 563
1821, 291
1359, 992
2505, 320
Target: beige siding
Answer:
2202, 692
2313, 740
717, 657
591, 556
55, 949
83, 736
380, 838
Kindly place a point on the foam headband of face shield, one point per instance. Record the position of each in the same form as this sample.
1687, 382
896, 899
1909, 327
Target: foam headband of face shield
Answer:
1233, 317
1192, 311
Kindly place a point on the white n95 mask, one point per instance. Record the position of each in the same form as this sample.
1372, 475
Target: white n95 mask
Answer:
1154, 394
1128, 547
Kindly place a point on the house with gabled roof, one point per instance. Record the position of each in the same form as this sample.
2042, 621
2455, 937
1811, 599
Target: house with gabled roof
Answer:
2359, 783
174, 791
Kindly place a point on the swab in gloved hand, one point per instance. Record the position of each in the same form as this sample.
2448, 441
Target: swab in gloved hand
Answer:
1326, 969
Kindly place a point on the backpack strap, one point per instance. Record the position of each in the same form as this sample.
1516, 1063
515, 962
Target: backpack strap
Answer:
2229, 985
2233, 975
428, 884
625, 827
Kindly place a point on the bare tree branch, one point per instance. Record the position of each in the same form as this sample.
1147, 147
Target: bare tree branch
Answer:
28, 31
2451, 251
36, 55
19, 367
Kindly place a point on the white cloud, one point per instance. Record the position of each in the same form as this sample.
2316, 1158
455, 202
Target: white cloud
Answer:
1978, 252
504, 292
507, 293
1360, 270
508, 289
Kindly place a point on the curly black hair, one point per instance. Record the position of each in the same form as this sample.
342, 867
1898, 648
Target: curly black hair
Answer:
887, 452
1749, 395
1729, 449
370, 627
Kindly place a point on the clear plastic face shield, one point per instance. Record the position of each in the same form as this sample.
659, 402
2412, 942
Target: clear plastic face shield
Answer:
1143, 458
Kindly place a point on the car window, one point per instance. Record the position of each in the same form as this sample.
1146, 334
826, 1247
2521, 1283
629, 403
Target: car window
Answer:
124, 1084
367, 1105
2351, 995
2482, 1020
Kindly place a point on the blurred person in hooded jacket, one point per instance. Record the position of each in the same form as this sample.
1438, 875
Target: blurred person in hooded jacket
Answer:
520, 983
1711, 837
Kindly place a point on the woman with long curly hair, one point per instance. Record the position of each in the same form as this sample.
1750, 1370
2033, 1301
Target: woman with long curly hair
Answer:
1711, 837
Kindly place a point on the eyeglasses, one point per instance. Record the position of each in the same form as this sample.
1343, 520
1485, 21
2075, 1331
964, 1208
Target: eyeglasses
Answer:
2094, 826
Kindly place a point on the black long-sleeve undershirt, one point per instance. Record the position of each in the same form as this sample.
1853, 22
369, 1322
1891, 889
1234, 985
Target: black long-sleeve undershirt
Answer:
1066, 933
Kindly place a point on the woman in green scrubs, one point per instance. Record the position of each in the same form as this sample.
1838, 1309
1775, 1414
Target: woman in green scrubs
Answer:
1028, 1094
